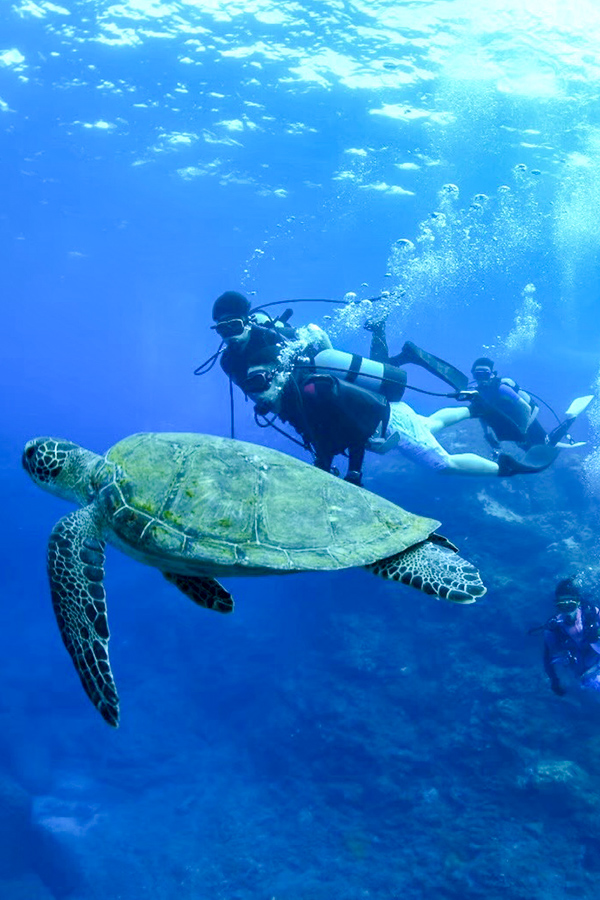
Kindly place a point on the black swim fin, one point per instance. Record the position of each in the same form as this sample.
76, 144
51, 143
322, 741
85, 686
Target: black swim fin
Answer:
410, 353
535, 460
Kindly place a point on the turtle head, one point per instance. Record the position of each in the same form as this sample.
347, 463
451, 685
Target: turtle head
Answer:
60, 467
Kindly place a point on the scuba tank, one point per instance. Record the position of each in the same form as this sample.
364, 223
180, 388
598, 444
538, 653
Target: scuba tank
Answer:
380, 378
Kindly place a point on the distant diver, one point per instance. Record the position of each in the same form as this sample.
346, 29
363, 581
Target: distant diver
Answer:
572, 639
508, 413
342, 403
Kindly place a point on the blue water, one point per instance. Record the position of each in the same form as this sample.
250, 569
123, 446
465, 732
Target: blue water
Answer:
339, 736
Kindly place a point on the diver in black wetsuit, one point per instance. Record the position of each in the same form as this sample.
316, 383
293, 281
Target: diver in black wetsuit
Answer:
508, 413
251, 340
278, 368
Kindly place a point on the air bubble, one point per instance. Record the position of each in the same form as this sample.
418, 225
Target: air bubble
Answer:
450, 190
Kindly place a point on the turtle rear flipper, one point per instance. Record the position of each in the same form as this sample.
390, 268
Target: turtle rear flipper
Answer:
433, 569
76, 571
204, 591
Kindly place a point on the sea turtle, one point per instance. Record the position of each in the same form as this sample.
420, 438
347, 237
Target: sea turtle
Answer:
197, 506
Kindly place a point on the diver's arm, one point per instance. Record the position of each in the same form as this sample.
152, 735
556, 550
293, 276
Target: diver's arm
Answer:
550, 671
592, 630
316, 338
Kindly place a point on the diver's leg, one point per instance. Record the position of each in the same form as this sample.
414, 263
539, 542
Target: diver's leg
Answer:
323, 459
590, 680
416, 440
356, 457
470, 464
535, 434
443, 418
379, 348
536, 460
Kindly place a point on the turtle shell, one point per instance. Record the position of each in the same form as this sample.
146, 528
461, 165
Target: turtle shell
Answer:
200, 503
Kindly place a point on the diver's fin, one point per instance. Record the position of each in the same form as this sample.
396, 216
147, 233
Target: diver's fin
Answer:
535, 460
570, 445
561, 431
540, 456
410, 353
578, 405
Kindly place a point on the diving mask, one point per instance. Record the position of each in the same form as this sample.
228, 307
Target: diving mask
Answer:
230, 328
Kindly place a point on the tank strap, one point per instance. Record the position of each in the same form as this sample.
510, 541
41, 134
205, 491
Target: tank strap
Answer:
354, 368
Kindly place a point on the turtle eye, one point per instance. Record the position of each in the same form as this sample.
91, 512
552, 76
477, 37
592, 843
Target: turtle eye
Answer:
29, 452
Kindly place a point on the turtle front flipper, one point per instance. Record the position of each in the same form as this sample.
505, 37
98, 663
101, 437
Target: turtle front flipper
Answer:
433, 569
204, 591
76, 571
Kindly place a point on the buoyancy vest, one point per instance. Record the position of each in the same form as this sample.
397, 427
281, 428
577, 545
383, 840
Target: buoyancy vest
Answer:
332, 415
590, 620
506, 409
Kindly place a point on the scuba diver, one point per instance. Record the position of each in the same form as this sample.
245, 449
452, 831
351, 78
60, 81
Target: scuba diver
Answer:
287, 372
508, 413
338, 402
254, 339
572, 639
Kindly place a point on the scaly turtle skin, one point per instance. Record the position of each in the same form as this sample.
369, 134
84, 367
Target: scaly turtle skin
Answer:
197, 506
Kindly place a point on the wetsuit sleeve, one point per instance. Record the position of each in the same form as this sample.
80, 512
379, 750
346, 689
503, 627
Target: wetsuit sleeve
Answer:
317, 339
225, 363
549, 669
592, 630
